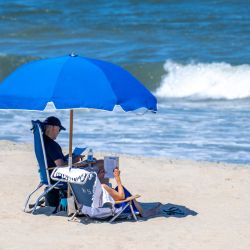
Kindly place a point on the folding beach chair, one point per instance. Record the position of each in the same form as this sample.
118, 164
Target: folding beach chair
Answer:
90, 197
43, 169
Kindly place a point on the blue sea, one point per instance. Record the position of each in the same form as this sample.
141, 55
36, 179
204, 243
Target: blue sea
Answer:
193, 55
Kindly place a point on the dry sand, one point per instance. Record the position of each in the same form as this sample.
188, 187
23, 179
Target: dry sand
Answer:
214, 197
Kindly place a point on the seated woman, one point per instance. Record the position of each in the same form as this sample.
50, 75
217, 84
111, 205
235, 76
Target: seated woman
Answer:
120, 193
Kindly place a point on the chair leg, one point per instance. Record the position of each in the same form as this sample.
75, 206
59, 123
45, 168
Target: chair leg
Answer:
42, 195
29, 196
132, 211
112, 219
73, 217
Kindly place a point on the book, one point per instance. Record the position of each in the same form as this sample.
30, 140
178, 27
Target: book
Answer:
78, 151
110, 163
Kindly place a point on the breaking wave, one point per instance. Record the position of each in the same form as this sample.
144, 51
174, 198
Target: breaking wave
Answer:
205, 81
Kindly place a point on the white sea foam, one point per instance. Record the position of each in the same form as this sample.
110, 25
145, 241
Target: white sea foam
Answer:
201, 81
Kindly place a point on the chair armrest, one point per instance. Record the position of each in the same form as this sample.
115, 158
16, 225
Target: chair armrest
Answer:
52, 168
73, 165
133, 197
80, 164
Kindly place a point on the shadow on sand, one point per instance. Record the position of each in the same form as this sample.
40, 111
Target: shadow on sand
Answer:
166, 210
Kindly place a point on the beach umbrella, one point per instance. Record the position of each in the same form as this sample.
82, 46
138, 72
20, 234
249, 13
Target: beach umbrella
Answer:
71, 82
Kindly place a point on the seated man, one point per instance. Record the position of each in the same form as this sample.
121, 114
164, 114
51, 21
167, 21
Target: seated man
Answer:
54, 154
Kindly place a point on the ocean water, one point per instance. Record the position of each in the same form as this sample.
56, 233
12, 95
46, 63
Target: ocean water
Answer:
193, 55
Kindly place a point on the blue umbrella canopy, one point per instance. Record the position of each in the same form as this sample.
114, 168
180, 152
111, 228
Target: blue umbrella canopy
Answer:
74, 82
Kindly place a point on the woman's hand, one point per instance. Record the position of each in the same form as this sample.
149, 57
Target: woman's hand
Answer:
117, 173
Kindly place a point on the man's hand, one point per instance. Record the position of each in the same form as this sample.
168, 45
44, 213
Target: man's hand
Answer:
77, 158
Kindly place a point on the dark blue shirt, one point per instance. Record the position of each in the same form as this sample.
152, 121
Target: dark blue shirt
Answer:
53, 151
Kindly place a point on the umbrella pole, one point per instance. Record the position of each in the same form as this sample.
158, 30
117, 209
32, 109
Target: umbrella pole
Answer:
70, 138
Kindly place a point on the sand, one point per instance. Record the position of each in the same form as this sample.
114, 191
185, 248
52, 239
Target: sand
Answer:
214, 198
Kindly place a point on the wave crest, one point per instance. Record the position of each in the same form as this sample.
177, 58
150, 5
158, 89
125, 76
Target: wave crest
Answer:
205, 81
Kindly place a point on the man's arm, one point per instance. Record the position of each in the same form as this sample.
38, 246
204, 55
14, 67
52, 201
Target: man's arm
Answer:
60, 162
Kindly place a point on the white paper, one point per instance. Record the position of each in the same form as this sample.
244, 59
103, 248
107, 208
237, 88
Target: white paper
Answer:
110, 163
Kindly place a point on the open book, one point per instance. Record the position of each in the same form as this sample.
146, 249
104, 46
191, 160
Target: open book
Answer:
78, 151
110, 163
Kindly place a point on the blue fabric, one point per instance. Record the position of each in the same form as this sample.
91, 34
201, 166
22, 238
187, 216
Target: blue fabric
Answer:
123, 204
39, 152
40, 157
73, 82
63, 204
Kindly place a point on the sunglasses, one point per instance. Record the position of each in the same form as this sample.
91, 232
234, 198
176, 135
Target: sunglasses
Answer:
58, 127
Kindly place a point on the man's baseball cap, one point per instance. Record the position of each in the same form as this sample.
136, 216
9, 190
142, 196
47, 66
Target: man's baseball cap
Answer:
54, 121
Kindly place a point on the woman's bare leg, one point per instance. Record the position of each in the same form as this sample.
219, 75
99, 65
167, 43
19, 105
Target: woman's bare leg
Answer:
119, 194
